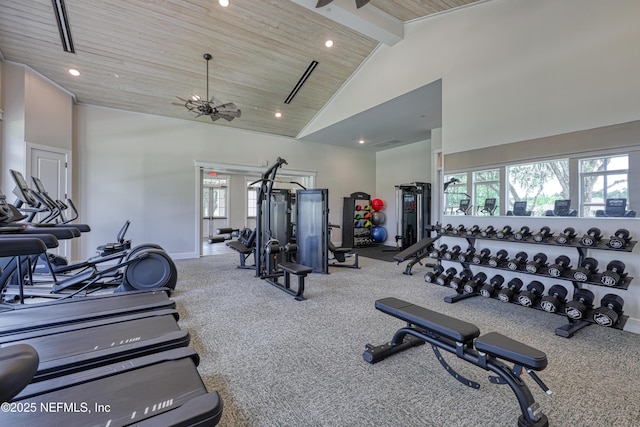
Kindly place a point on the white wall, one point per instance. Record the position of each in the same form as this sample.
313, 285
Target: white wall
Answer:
13, 125
511, 70
141, 167
35, 111
402, 165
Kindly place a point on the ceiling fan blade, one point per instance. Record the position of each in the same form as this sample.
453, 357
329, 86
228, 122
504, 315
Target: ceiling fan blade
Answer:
214, 117
360, 3
323, 3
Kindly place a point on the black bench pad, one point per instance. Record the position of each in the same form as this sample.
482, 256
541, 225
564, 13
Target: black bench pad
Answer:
234, 244
297, 269
514, 351
412, 250
441, 324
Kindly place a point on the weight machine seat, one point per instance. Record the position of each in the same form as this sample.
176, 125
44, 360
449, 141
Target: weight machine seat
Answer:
503, 347
240, 247
295, 269
440, 324
18, 364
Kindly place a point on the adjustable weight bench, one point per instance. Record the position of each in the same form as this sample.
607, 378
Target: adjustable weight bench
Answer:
416, 253
464, 340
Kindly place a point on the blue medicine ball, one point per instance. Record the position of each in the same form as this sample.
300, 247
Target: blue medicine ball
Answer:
378, 234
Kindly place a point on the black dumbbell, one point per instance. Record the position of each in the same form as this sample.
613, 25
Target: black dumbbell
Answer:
452, 253
556, 296
522, 234
586, 270
504, 232
494, 285
481, 257
446, 229
542, 235
566, 236
488, 232
498, 258
459, 230
530, 296
444, 278
473, 230
475, 283
467, 255
537, 263
610, 310
458, 282
582, 301
431, 276
592, 237
620, 239
561, 264
515, 262
439, 252
506, 294
614, 273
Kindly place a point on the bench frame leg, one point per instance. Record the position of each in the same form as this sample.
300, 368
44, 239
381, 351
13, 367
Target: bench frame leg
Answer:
286, 285
412, 336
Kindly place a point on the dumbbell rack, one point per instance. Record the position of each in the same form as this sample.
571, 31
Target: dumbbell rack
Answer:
567, 330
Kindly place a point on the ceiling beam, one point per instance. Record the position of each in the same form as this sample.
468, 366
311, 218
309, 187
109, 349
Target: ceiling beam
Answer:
368, 20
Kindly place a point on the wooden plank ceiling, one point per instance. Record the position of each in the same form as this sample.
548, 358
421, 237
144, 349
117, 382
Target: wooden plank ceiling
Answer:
138, 55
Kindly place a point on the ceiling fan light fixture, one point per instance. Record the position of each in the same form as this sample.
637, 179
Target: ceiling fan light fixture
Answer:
211, 107
223, 3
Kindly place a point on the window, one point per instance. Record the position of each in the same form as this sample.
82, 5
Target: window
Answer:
455, 192
214, 197
486, 185
602, 178
252, 198
539, 184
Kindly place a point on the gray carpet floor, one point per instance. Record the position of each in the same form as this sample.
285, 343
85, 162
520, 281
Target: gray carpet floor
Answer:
280, 362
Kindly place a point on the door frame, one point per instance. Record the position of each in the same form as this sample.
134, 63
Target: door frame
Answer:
231, 169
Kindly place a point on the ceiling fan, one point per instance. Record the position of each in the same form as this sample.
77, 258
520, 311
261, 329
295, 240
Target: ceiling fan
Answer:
211, 107
323, 3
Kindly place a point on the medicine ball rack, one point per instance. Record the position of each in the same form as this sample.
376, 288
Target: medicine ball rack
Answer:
567, 330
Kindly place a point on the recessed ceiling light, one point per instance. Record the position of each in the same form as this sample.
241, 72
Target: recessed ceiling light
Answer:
223, 3
278, 115
74, 72
361, 141
328, 43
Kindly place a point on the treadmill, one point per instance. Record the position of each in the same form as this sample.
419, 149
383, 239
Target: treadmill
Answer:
161, 389
21, 318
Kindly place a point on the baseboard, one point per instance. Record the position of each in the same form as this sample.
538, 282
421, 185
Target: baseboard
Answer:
185, 255
632, 325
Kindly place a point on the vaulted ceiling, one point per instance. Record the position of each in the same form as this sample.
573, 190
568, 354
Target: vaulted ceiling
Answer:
138, 55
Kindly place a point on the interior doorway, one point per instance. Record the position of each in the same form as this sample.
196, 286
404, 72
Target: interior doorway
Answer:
52, 166
237, 193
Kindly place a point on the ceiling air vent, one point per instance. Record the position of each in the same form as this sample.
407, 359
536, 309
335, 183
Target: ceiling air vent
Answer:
303, 79
60, 10
387, 144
